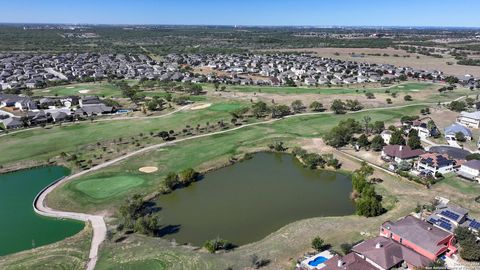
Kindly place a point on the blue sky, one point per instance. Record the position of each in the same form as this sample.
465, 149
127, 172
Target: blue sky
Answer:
246, 12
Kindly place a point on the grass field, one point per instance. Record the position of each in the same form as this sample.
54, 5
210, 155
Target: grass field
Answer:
41, 144
406, 87
101, 188
462, 185
103, 89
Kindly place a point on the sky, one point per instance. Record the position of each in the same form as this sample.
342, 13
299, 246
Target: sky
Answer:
456, 13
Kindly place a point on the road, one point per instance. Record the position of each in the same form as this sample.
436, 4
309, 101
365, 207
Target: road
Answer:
97, 221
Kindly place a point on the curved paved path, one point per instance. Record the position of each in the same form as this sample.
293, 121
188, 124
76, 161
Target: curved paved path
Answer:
97, 221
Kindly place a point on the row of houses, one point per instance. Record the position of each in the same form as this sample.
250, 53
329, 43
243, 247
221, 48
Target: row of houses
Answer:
69, 109
32, 71
411, 242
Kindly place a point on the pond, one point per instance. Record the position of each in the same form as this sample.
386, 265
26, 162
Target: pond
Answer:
247, 201
20, 227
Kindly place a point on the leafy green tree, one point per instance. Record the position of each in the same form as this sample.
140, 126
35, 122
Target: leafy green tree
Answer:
457, 106
342, 134
397, 138
407, 98
459, 136
171, 180
338, 107
414, 140
280, 111
297, 106
473, 156
316, 106
313, 160
188, 176
318, 244
363, 141
369, 207
259, 109
378, 127
353, 105
377, 143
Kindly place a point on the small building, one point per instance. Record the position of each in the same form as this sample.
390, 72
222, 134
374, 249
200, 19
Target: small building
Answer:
386, 136
432, 162
469, 119
399, 153
453, 129
470, 170
420, 236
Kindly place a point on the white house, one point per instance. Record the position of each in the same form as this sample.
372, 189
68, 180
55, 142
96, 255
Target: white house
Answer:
470, 170
469, 119
434, 163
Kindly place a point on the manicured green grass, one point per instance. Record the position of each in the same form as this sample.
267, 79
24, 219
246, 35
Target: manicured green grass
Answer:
352, 89
226, 107
40, 144
101, 188
95, 89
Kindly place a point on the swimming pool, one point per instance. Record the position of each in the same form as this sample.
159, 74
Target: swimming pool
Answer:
318, 260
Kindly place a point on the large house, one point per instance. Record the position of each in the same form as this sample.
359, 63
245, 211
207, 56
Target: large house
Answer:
420, 236
470, 170
448, 217
453, 129
12, 123
399, 153
469, 119
385, 253
433, 163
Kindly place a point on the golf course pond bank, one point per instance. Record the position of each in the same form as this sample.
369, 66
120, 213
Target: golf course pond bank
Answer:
21, 228
247, 201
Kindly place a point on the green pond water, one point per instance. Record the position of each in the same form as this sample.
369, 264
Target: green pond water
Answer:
20, 227
247, 201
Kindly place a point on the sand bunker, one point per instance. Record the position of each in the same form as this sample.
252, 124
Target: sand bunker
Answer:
46, 91
84, 91
200, 106
70, 87
149, 169
415, 90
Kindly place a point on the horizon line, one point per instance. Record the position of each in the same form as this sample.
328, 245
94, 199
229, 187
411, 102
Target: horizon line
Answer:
237, 25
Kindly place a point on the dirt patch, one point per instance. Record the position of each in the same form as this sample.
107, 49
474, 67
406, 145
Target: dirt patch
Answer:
200, 106
84, 91
148, 169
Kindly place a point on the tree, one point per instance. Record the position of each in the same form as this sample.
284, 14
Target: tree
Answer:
473, 156
369, 207
297, 106
389, 101
414, 140
469, 246
171, 180
338, 107
369, 95
217, 244
353, 105
313, 160
378, 127
367, 119
280, 111
259, 109
342, 134
318, 244
316, 106
188, 176
363, 141
407, 98
459, 136
377, 143
397, 138
457, 106
404, 166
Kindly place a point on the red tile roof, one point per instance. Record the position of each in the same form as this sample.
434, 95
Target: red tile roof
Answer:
401, 151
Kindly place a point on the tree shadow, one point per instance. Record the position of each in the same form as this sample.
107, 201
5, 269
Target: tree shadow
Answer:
168, 230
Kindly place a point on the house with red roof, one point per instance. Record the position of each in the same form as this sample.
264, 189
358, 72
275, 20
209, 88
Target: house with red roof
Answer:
420, 236
399, 153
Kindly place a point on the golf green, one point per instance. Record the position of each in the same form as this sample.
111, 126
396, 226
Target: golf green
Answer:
101, 188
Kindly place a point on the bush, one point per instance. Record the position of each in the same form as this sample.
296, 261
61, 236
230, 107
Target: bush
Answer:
318, 244
217, 244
